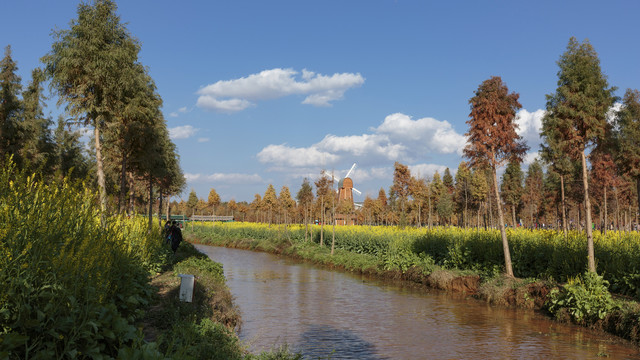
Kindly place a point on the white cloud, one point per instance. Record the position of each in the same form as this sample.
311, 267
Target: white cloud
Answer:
426, 171
192, 177
298, 157
181, 110
613, 112
182, 132
530, 157
203, 140
231, 105
422, 135
530, 126
374, 173
398, 138
362, 146
222, 178
238, 94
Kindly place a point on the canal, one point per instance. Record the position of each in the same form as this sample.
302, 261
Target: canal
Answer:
337, 315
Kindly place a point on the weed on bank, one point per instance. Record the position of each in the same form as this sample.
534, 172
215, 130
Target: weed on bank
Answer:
76, 287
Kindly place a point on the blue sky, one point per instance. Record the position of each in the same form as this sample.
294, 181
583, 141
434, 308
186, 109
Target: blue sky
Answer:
268, 92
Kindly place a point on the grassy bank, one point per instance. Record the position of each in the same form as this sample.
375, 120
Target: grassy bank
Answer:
203, 328
454, 260
76, 285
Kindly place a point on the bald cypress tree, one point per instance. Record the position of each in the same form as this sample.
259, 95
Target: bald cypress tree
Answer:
492, 139
628, 135
400, 187
87, 65
305, 199
578, 109
511, 187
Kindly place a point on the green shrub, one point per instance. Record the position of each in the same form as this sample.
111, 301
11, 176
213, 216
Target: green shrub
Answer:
72, 286
585, 299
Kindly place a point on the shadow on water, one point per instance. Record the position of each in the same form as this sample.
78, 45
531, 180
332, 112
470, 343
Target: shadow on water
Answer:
327, 342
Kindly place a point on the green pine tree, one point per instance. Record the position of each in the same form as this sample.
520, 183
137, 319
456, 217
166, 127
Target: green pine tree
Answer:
578, 109
11, 132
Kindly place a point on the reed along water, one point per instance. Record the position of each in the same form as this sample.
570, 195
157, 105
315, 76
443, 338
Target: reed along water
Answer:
337, 315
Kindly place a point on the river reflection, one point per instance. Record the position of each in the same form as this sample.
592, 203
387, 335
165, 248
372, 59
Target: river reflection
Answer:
329, 314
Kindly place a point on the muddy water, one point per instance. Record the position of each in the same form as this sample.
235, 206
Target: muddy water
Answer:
329, 314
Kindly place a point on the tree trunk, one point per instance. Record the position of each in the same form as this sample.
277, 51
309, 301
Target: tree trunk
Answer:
464, 215
564, 211
168, 210
101, 181
491, 225
513, 214
322, 222
587, 205
306, 224
604, 231
503, 232
131, 207
333, 229
638, 194
160, 208
123, 183
429, 208
150, 201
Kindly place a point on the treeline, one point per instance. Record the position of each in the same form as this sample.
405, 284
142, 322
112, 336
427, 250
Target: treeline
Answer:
94, 71
28, 136
589, 147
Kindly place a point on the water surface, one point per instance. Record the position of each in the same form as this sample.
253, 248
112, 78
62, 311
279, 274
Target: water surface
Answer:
337, 315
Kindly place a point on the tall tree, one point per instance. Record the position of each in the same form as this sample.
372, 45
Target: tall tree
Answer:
213, 200
463, 190
270, 201
38, 148
192, 203
286, 202
579, 107
436, 189
256, 206
420, 193
511, 187
479, 190
493, 139
445, 206
11, 132
69, 154
628, 134
136, 112
87, 66
447, 180
383, 203
305, 199
324, 196
400, 187
233, 206
533, 191
604, 174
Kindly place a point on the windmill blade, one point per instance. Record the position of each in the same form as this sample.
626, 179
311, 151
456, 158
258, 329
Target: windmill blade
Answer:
352, 167
330, 176
356, 190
